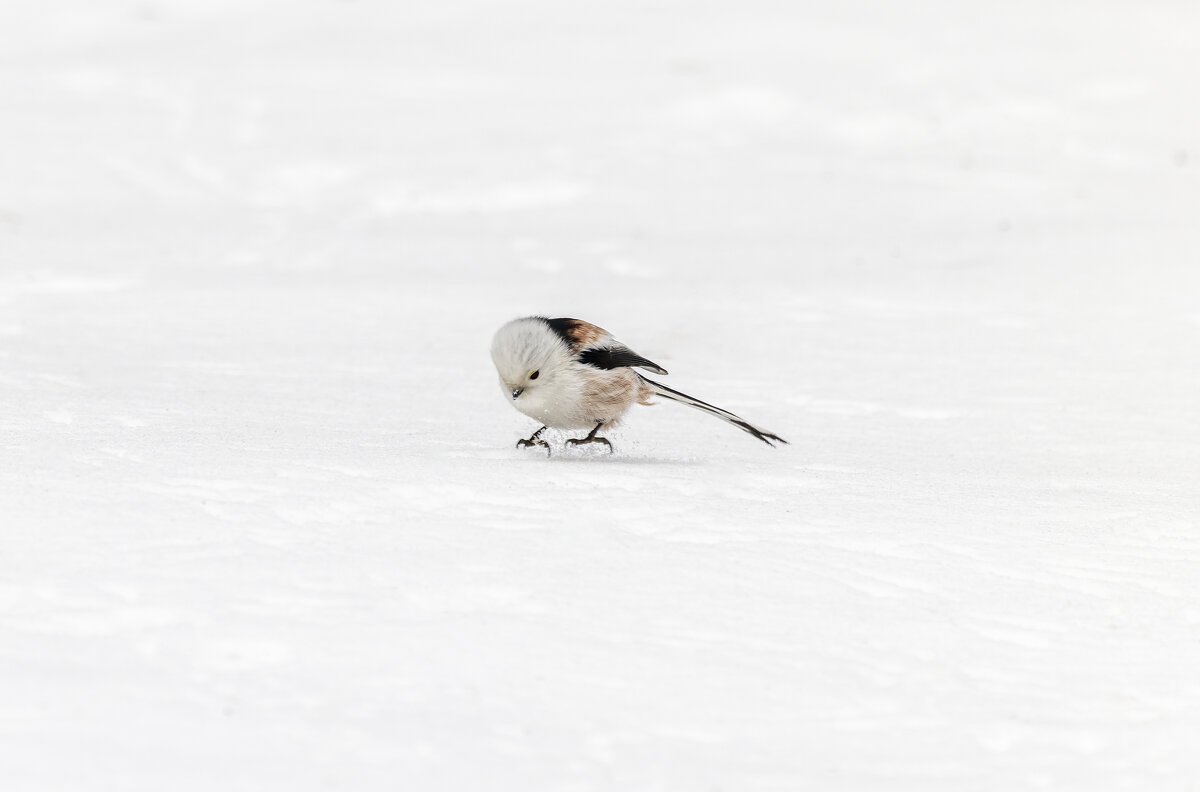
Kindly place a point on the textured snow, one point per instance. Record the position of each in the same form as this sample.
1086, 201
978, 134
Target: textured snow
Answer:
264, 526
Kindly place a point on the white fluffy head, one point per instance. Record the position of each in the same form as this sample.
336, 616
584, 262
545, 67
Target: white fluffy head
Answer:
531, 359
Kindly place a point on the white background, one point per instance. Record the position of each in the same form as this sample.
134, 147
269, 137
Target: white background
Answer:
263, 524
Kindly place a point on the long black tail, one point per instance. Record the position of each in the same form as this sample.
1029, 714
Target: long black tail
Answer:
724, 415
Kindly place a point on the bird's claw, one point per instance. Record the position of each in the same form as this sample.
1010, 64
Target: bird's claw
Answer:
536, 441
590, 439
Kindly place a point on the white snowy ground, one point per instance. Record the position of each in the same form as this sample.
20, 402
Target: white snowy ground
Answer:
263, 524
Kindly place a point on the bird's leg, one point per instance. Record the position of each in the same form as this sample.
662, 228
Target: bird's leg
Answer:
534, 440
591, 438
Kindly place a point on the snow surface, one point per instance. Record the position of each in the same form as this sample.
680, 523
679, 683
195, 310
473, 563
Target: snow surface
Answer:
264, 526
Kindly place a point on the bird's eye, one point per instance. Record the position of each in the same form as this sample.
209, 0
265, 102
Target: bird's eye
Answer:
534, 374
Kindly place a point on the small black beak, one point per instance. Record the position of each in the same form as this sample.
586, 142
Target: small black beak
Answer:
517, 392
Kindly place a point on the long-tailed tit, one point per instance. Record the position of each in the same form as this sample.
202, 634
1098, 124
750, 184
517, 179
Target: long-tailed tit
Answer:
569, 374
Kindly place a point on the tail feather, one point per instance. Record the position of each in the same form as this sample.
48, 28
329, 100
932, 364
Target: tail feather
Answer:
724, 415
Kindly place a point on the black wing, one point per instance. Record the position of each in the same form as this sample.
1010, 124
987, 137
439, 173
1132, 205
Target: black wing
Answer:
611, 357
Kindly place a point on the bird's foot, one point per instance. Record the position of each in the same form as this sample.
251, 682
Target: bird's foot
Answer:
532, 443
591, 439
534, 440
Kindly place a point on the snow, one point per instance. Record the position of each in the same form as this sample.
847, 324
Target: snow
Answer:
264, 525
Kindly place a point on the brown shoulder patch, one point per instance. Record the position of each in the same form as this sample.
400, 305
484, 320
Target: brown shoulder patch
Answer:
576, 332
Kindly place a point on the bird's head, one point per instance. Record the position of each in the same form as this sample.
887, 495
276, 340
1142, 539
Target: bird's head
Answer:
530, 359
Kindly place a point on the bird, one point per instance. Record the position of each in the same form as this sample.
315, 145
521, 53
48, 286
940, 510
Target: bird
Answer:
569, 374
